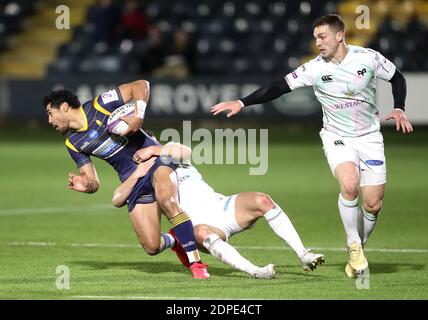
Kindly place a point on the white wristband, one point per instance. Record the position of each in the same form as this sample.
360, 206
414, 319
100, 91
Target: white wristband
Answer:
241, 103
141, 108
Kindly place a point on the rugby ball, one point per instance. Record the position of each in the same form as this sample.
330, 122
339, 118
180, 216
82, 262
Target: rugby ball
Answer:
114, 123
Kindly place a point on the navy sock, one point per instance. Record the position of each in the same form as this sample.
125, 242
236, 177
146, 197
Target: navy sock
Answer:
183, 229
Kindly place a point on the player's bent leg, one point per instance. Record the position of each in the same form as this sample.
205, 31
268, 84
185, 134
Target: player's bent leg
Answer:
182, 227
372, 204
250, 206
213, 240
145, 219
203, 231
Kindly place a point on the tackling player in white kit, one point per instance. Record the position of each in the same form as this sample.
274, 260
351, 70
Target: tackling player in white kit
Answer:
216, 217
344, 81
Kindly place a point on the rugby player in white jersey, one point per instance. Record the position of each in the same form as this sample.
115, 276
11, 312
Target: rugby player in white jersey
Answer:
216, 217
344, 81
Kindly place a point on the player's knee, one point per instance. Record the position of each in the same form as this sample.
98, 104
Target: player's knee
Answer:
350, 189
373, 207
150, 247
263, 203
200, 232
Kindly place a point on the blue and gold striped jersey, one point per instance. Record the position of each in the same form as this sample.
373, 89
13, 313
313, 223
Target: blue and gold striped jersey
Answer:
95, 140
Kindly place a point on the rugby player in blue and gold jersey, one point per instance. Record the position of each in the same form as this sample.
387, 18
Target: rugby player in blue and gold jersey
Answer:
85, 127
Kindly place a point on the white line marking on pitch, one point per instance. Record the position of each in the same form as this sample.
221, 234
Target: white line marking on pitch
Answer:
157, 298
107, 245
18, 211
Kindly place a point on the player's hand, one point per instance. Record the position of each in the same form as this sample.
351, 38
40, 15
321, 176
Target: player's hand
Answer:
78, 183
134, 124
232, 107
144, 167
143, 154
401, 121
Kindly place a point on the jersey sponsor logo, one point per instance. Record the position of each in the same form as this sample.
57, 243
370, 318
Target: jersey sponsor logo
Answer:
110, 147
294, 74
339, 143
109, 96
93, 134
348, 104
361, 72
374, 162
327, 78
98, 122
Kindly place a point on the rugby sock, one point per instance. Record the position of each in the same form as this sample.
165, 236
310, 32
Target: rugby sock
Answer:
166, 241
349, 213
183, 229
366, 223
283, 228
228, 254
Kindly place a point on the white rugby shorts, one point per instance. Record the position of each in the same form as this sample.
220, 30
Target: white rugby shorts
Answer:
367, 152
205, 206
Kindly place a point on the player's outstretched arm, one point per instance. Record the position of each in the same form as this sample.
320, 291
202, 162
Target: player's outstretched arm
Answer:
399, 90
177, 151
87, 181
123, 191
262, 95
139, 91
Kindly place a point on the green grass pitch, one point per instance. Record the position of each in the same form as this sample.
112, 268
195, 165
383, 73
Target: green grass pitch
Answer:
44, 225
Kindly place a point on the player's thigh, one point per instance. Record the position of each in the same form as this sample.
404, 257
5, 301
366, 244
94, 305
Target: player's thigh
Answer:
250, 206
145, 219
348, 177
164, 180
165, 185
372, 197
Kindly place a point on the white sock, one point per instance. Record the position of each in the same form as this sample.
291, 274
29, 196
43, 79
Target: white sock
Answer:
349, 213
228, 254
166, 241
366, 224
283, 228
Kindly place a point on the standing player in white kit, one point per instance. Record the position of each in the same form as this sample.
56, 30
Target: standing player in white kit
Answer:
344, 81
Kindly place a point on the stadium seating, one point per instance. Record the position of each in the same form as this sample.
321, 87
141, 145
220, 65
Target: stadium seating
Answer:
248, 37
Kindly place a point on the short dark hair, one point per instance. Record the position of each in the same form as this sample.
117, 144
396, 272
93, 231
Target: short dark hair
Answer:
332, 20
57, 97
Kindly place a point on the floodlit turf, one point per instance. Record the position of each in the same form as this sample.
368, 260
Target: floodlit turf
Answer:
44, 225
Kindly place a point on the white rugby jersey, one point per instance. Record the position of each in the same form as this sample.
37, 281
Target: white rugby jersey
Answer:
347, 90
